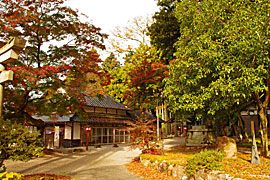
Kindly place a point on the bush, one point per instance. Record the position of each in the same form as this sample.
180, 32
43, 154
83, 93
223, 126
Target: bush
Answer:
10, 175
209, 160
17, 143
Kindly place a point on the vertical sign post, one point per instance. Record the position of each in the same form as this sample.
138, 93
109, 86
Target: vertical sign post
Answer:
254, 154
8, 54
56, 136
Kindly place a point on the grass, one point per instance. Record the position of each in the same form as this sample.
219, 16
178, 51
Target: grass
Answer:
249, 143
175, 157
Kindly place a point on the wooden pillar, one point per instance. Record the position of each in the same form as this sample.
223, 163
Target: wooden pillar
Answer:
44, 136
129, 136
108, 135
81, 134
124, 136
63, 137
72, 131
101, 131
119, 135
96, 135
113, 135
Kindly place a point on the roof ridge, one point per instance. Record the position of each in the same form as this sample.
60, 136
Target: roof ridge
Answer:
105, 102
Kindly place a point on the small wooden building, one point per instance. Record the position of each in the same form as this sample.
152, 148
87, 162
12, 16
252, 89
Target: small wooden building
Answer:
107, 118
251, 114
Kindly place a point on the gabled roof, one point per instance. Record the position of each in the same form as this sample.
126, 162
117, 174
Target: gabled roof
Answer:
106, 102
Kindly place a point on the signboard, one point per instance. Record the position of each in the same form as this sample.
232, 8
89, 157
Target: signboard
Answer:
56, 136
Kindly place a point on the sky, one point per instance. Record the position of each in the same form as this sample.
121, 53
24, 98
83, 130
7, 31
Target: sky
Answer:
107, 14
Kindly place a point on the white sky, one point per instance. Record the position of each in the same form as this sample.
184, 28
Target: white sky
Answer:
107, 14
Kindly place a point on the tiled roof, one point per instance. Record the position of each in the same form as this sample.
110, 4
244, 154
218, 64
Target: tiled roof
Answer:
106, 102
54, 118
107, 119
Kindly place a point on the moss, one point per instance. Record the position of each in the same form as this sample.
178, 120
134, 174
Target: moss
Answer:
193, 161
207, 159
172, 157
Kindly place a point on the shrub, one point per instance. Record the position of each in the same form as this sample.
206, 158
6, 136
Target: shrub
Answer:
10, 175
17, 143
209, 160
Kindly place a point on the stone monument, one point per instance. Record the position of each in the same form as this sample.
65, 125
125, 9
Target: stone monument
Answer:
200, 135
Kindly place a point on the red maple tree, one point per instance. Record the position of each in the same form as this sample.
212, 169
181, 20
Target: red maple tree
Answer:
59, 65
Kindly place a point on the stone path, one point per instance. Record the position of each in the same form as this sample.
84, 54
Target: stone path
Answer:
105, 163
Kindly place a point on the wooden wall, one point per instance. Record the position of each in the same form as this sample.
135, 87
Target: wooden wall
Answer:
105, 110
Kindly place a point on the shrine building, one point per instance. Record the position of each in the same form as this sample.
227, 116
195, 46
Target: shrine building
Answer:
106, 118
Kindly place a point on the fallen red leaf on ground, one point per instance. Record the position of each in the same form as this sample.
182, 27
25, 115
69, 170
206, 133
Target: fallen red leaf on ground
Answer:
152, 174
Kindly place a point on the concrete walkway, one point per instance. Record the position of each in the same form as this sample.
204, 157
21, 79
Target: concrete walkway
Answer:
105, 163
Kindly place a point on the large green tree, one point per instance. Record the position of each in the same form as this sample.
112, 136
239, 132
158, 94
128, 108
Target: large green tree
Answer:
117, 76
222, 58
59, 65
164, 32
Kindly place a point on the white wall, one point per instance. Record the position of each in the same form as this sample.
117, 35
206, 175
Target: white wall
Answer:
76, 131
67, 131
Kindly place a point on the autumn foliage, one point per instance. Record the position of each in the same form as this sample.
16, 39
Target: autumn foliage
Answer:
59, 65
143, 134
145, 77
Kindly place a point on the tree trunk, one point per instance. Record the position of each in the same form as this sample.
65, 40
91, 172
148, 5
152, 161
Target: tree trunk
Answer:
237, 132
263, 104
235, 128
243, 128
263, 131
